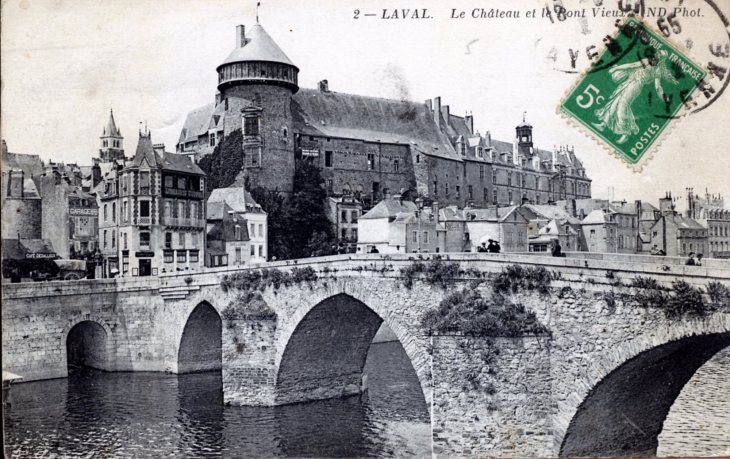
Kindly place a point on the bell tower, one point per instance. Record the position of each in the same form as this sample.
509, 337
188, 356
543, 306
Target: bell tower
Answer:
256, 84
112, 142
524, 137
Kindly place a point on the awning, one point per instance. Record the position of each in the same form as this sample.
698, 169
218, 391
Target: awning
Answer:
71, 265
8, 376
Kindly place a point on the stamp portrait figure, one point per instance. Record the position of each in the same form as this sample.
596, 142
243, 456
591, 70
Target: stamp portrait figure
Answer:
617, 114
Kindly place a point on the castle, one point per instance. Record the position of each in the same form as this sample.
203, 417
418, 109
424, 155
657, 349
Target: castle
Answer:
369, 147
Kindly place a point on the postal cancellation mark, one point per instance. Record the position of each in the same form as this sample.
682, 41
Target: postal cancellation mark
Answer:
634, 91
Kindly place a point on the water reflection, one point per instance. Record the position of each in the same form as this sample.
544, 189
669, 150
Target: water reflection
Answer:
156, 415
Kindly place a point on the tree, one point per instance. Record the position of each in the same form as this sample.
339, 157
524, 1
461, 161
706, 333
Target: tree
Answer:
225, 163
299, 226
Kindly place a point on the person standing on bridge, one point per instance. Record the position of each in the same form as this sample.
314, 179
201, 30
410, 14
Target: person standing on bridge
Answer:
691, 260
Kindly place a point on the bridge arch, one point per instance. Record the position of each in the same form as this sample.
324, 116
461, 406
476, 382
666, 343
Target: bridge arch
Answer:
323, 345
200, 344
87, 340
630, 389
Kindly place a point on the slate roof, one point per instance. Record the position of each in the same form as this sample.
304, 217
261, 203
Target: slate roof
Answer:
180, 163
217, 210
111, 127
370, 119
167, 161
490, 214
259, 47
549, 212
388, 208
687, 223
595, 217
196, 123
238, 198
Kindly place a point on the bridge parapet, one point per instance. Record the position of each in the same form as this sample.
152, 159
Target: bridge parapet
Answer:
595, 269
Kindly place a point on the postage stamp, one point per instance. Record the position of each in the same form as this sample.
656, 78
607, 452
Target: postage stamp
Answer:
633, 92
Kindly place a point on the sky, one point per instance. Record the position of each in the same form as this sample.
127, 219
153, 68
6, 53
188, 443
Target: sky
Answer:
65, 64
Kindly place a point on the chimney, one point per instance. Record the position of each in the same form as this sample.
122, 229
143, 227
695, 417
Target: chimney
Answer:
515, 153
469, 119
555, 158
4, 147
437, 111
324, 86
435, 211
95, 174
159, 148
665, 204
446, 112
15, 186
240, 36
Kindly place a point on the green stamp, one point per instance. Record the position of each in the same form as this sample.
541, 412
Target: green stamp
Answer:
633, 91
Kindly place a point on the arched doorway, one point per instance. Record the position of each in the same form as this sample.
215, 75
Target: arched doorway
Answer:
201, 342
86, 346
625, 412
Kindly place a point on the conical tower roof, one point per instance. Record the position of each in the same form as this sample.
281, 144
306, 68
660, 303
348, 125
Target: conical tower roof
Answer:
259, 47
111, 127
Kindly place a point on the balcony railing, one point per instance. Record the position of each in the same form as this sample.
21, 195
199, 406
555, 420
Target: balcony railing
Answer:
183, 222
169, 191
144, 220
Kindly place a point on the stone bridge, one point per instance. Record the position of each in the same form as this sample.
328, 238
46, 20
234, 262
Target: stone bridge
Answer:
600, 383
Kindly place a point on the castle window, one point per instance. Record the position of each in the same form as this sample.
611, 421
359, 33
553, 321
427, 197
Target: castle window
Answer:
327, 159
329, 185
479, 152
251, 156
471, 192
446, 189
509, 179
435, 188
458, 191
212, 139
418, 159
494, 178
251, 125
481, 172
462, 147
396, 166
285, 133
494, 197
486, 194
509, 197
371, 161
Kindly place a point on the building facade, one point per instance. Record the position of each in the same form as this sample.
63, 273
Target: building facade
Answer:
367, 147
709, 211
152, 213
249, 211
226, 242
673, 234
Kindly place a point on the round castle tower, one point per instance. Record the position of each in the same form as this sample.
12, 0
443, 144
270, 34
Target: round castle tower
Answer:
256, 83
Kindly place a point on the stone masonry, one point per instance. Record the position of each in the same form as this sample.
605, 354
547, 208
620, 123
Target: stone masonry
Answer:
532, 398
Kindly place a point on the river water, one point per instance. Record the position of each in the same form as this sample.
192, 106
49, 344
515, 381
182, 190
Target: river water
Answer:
157, 415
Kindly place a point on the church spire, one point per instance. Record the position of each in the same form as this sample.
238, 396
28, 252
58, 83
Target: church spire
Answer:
112, 142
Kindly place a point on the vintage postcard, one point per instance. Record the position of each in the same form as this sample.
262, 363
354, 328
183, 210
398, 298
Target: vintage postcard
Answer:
434, 229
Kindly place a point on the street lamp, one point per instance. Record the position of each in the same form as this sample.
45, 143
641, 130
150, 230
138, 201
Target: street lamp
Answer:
419, 208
